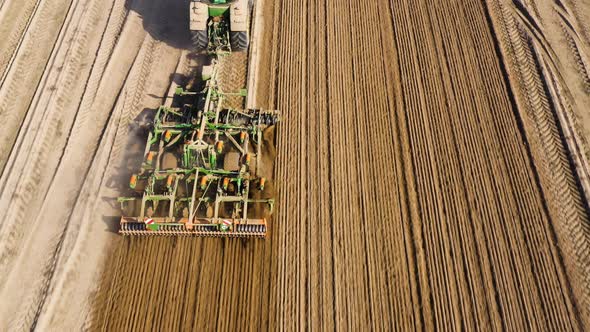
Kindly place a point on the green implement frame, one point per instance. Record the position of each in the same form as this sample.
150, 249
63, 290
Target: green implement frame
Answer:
199, 175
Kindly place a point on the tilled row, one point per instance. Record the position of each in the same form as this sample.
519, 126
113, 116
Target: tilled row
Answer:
458, 218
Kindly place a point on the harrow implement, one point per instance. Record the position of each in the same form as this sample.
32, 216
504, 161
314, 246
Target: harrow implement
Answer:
200, 174
203, 228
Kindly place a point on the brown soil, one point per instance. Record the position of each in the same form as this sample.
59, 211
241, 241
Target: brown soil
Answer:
424, 175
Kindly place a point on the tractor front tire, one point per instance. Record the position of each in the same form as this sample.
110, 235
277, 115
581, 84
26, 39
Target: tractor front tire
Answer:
239, 41
200, 40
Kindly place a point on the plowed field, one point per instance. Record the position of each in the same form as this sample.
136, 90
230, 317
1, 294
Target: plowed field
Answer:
423, 176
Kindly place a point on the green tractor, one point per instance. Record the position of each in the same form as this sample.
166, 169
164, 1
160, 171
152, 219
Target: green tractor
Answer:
219, 26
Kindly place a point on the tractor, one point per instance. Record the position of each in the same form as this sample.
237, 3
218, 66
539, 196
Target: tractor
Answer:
220, 26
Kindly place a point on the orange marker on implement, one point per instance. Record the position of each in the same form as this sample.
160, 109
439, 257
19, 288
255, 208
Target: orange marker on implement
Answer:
203, 182
133, 181
262, 182
150, 158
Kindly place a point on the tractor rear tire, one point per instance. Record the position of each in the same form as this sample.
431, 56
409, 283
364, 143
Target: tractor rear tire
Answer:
239, 41
200, 40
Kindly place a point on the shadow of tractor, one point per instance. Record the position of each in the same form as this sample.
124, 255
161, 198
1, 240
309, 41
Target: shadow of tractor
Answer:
164, 20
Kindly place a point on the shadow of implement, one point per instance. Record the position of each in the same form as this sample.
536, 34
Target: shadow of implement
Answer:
112, 223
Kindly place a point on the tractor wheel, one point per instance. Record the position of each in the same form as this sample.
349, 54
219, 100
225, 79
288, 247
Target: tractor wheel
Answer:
239, 41
200, 40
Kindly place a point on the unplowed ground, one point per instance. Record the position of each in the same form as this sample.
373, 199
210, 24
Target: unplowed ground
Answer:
77, 79
415, 191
